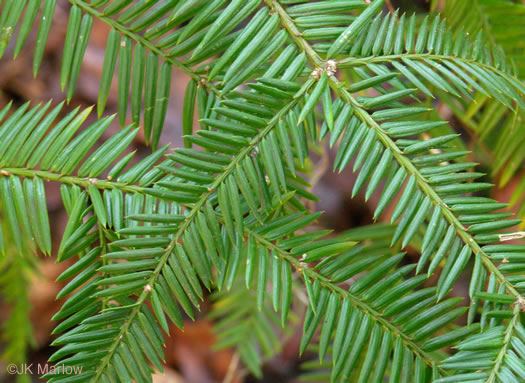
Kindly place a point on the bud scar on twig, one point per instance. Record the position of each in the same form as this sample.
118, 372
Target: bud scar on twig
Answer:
330, 68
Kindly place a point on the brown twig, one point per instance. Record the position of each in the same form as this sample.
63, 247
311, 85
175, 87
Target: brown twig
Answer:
390, 6
232, 369
319, 171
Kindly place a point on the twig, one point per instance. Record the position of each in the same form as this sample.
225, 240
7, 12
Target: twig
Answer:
232, 368
320, 169
390, 7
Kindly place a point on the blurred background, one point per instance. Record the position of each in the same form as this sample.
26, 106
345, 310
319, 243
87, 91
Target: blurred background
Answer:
190, 357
